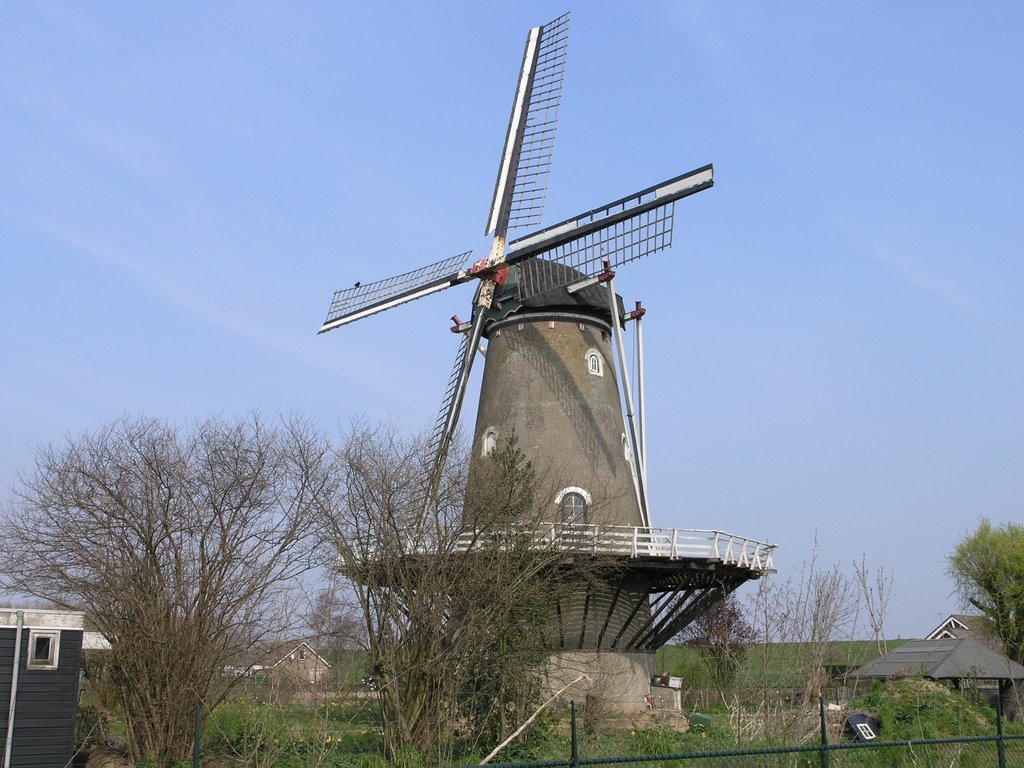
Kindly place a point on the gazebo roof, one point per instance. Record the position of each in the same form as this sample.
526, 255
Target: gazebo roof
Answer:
956, 658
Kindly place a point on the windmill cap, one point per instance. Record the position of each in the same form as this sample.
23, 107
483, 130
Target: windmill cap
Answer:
592, 300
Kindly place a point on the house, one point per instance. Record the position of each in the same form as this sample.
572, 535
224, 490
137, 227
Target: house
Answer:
40, 659
958, 625
293, 661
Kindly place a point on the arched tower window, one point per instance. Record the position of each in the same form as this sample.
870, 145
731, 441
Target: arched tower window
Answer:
574, 506
490, 441
574, 509
595, 363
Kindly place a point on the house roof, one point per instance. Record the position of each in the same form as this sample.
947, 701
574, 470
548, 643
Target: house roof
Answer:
966, 625
943, 660
94, 641
40, 618
278, 653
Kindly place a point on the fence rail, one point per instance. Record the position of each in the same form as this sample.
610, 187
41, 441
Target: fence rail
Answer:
633, 541
1005, 751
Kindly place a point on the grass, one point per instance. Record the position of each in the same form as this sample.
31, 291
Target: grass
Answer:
262, 733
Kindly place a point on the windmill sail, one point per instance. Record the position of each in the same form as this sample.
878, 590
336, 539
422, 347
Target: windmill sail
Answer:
361, 301
620, 232
521, 186
451, 406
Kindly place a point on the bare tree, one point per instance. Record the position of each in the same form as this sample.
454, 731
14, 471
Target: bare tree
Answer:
176, 543
802, 618
333, 618
456, 606
875, 590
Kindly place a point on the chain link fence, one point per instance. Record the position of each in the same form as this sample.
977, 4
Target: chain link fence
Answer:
967, 752
998, 750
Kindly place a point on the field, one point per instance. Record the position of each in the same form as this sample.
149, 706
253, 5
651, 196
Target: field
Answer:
263, 725
776, 665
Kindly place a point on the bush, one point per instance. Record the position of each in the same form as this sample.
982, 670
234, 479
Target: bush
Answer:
915, 708
92, 727
663, 741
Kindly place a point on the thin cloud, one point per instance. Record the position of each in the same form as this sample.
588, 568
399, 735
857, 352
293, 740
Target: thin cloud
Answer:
191, 302
953, 293
944, 288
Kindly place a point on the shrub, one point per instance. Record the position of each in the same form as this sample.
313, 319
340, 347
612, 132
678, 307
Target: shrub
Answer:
915, 708
92, 727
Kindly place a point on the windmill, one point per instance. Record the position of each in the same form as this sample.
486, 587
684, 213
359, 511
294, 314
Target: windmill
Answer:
547, 307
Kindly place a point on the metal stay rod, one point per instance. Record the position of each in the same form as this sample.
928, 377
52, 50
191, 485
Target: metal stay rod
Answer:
9, 741
640, 389
638, 479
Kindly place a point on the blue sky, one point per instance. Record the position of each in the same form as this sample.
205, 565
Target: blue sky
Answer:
834, 342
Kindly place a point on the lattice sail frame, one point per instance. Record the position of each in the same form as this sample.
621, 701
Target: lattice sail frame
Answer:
360, 301
534, 166
615, 234
441, 434
521, 186
618, 244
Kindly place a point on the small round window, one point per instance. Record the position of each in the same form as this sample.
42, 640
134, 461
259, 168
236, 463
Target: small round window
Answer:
573, 508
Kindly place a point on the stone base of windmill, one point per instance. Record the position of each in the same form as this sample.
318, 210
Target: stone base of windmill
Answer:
615, 682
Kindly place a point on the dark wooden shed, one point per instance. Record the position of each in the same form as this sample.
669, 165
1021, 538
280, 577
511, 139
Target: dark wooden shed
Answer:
956, 661
39, 674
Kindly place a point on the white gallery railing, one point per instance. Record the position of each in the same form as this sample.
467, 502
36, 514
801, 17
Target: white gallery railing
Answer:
669, 543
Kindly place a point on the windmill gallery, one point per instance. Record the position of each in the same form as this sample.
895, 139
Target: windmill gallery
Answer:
549, 324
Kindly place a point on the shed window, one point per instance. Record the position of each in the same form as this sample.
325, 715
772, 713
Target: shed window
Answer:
302, 654
42, 649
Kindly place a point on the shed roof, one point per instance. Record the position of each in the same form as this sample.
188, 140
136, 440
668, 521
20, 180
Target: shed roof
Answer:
42, 618
943, 660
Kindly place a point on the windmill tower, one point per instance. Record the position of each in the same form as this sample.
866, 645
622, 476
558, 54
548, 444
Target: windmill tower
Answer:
546, 305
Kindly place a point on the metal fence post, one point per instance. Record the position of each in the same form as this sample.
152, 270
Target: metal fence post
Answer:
575, 760
197, 735
824, 732
1000, 742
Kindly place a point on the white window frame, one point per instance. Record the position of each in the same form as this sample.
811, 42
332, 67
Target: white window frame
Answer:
574, 489
866, 731
489, 447
593, 354
51, 663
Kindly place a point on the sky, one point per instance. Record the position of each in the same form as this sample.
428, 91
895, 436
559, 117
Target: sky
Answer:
834, 343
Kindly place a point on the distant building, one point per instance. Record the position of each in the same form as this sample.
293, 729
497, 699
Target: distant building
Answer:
292, 661
959, 625
39, 674
298, 662
956, 661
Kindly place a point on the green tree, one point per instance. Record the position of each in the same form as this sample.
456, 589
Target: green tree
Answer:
987, 568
